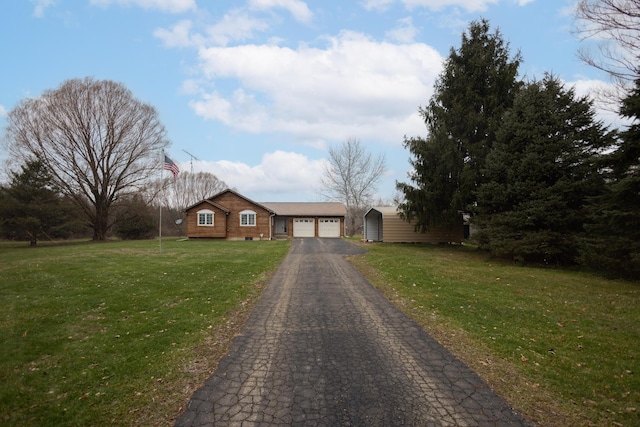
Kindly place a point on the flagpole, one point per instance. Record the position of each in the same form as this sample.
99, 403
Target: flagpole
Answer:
170, 165
161, 198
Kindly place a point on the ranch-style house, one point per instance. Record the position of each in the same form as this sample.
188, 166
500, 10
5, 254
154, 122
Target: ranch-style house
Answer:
230, 215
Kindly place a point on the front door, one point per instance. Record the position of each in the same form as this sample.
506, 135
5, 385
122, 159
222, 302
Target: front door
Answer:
281, 225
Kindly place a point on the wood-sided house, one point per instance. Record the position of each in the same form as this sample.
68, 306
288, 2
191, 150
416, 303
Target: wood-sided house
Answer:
383, 224
232, 216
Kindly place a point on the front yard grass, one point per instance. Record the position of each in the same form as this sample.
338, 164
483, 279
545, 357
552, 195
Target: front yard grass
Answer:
119, 333
563, 347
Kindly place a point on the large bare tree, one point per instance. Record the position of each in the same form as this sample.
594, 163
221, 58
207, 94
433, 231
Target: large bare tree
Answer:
615, 27
98, 141
351, 176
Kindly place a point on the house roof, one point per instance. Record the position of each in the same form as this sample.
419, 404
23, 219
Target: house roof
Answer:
211, 203
307, 208
283, 208
228, 190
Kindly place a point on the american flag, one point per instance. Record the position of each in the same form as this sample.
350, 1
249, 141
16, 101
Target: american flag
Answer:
171, 166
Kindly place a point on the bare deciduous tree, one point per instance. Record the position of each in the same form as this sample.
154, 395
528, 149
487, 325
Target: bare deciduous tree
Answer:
615, 25
351, 177
189, 188
98, 141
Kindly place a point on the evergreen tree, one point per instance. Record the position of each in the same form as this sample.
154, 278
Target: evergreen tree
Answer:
540, 172
32, 207
477, 85
612, 242
437, 165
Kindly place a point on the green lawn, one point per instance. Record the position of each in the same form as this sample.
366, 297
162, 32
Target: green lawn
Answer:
562, 346
119, 333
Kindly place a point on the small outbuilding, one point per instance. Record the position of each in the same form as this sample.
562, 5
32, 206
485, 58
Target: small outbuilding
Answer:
384, 224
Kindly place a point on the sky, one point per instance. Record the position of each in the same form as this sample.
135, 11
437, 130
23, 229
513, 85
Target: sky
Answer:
257, 91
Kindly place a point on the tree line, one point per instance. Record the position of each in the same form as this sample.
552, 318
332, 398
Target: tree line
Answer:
33, 207
90, 155
543, 179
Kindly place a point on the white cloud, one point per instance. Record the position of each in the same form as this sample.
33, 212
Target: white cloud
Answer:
40, 6
297, 8
586, 87
405, 32
279, 172
178, 36
170, 6
468, 5
379, 5
235, 25
3, 111
597, 90
354, 86
190, 87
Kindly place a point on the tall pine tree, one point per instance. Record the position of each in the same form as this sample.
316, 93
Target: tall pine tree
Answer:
477, 85
611, 244
540, 173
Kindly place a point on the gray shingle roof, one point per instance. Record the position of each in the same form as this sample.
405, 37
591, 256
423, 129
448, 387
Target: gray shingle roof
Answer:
306, 208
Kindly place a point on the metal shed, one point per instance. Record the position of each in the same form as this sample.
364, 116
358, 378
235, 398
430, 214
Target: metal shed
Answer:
383, 224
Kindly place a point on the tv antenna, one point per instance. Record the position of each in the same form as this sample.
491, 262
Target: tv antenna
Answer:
192, 157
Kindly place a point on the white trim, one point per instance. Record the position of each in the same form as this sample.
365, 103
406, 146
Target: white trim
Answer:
205, 215
250, 218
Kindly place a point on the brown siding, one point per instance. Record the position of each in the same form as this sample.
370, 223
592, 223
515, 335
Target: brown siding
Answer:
394, 229
219, 229
290, 227
236, 205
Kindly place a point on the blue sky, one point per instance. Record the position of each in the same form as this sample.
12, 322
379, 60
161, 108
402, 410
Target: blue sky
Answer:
257, 90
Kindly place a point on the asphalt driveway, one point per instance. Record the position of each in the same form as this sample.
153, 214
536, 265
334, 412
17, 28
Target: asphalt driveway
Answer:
324, 348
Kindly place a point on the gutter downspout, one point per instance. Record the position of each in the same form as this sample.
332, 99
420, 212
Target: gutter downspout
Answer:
272, 218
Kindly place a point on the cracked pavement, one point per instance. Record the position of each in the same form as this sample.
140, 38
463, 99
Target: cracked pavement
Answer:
325, 348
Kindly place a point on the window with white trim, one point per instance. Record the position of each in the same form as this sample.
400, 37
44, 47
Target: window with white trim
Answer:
247, 218
205, 218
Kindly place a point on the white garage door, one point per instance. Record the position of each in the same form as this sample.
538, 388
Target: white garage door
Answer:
329, 227
304, 227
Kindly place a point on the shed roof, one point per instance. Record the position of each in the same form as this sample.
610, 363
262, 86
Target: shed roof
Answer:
384, 210
307, 208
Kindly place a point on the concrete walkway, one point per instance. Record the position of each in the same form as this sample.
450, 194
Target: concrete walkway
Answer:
324, 348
